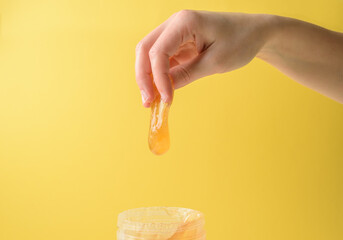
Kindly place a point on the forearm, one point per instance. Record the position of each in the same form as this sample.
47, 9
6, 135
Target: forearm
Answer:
309, 54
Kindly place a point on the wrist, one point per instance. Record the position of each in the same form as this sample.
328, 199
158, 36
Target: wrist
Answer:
271, 25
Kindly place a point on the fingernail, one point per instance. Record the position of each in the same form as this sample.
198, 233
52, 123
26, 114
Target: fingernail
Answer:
144, 96
163, 98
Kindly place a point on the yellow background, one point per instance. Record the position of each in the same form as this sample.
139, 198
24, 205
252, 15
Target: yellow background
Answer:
259, 154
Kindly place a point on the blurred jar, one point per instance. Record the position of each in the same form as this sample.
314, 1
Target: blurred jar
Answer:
161, 223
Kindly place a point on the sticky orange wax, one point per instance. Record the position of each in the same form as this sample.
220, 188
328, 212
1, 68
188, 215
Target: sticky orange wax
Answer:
159, 133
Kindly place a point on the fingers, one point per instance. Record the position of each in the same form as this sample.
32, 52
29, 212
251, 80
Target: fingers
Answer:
179, 31
143, 65
154, 54
199, 67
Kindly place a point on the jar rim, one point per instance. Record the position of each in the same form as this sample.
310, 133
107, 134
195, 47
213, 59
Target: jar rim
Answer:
155, 220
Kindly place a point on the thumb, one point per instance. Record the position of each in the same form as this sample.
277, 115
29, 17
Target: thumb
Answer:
188, 72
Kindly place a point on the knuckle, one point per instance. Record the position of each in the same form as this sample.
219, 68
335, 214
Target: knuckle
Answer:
140, 82
153, 52
140, 46
174, 14
185, 13
138, 78
188, 16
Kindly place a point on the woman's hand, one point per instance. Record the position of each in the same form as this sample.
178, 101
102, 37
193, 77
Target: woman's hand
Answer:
194, 44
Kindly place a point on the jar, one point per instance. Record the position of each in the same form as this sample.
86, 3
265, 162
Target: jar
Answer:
161, 223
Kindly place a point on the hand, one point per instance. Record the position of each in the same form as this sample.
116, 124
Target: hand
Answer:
194, 44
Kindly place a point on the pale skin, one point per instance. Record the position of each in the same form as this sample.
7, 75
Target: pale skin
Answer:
194, 44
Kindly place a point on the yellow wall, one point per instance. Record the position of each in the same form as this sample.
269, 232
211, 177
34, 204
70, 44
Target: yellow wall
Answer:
259, 154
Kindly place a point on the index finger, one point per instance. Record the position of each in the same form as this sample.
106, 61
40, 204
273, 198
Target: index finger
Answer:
179, 31
143, 66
